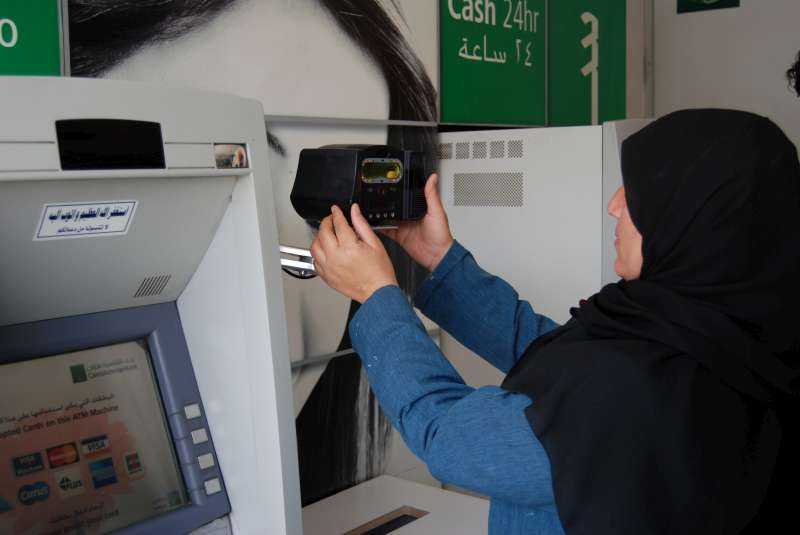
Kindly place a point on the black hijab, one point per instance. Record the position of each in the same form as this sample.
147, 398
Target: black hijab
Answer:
660, 402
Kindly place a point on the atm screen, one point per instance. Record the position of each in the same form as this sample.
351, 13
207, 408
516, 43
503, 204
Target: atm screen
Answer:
84, 445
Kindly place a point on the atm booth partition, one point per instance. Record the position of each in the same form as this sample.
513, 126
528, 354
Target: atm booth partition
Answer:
144, 372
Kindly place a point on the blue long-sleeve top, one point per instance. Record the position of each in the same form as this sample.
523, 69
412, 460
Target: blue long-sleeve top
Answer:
478, 439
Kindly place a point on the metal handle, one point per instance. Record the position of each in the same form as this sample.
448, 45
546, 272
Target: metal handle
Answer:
297, 259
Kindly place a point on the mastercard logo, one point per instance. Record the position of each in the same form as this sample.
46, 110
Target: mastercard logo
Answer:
63, 455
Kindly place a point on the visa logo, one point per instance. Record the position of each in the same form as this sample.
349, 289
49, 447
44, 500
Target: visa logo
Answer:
30, 494
28, 464
95, 445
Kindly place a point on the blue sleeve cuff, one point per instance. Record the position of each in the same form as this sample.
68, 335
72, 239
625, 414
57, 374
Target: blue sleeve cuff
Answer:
454, 255
385, 306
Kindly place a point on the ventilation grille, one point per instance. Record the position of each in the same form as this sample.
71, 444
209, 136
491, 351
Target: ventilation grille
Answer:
418, 204
488, 189
496, 149
515, 148
152, 286
462, 150
479, 150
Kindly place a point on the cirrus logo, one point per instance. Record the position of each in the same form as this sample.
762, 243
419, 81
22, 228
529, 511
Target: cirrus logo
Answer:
30, 494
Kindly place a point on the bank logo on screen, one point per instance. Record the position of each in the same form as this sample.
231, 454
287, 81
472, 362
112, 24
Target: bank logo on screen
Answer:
70, 482
103, 473
63, 455
95, 445
28, 464
4, 506
78, 373
30, 494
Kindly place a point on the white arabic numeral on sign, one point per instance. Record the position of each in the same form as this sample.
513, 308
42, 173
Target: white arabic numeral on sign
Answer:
528, 53
591, 68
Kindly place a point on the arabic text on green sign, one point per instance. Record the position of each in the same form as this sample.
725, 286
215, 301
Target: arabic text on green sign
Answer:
493, 61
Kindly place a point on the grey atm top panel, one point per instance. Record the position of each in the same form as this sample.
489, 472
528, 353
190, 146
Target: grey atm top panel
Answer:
72, 244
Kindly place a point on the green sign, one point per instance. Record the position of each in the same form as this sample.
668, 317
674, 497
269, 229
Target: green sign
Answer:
30, 38
687, 6
493, 61
587, 52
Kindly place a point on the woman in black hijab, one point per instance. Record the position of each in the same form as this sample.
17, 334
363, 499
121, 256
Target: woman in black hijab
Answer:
664, 402
667, 404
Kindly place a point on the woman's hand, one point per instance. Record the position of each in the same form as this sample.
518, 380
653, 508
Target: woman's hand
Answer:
426, 240
351, 260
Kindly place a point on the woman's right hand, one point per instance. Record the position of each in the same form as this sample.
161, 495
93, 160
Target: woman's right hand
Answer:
426, 240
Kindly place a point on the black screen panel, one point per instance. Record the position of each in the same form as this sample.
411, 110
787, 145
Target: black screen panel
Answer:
108, 144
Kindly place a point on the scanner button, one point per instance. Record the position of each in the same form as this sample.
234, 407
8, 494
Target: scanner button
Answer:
199, 436
213, 486
206, 461
192, 411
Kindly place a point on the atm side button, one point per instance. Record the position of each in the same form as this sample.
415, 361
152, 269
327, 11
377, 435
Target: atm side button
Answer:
213, 486
192, 411
199, 436
206, 461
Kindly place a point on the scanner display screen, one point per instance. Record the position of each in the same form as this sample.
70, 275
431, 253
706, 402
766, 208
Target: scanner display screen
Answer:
84, 445
381, 170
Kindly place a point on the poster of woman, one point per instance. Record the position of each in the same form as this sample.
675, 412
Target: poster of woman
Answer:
326, 71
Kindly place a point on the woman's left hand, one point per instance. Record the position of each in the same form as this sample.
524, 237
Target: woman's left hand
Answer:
351, 260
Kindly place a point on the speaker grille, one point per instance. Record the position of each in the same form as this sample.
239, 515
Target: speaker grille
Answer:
515, 148
479, 150
445, 151
152, 286
488, 189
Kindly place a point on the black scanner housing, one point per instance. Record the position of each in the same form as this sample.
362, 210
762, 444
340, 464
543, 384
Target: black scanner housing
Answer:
335, 174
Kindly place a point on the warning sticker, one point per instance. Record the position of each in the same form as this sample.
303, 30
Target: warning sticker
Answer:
76, 220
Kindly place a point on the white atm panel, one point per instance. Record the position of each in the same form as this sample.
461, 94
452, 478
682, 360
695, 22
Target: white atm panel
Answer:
527, 204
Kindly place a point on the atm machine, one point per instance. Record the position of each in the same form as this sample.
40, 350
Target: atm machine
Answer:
144, 372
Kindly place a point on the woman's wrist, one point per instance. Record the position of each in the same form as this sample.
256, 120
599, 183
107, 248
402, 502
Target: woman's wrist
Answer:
368, 292
439, 255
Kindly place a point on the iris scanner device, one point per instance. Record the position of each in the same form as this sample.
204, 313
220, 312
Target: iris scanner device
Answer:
387, 183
